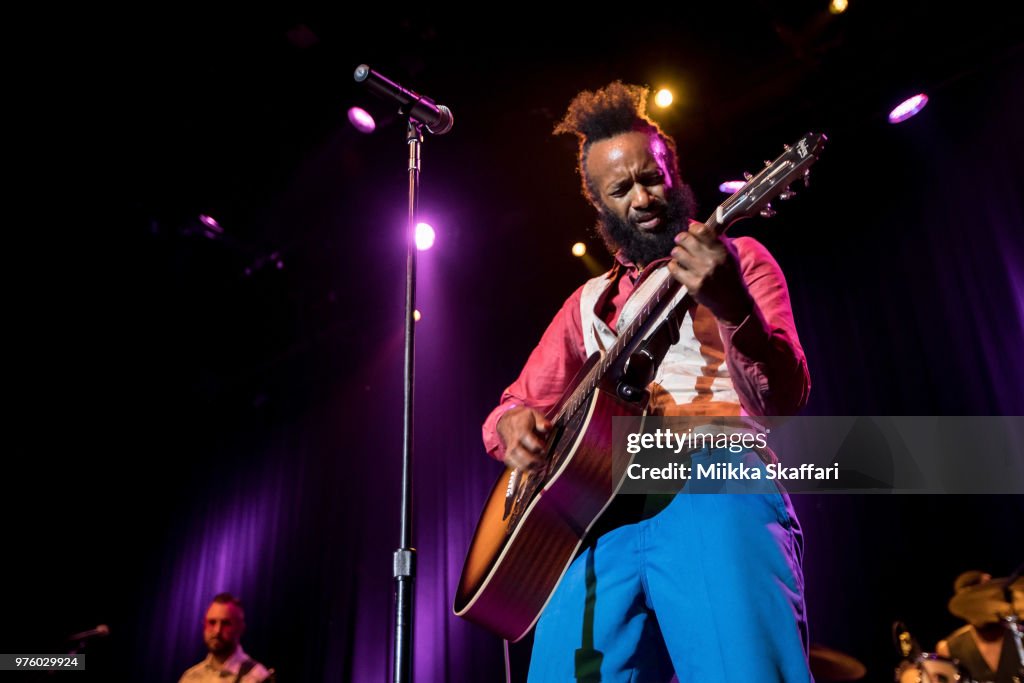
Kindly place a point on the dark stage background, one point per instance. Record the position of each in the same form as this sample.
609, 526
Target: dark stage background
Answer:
195, 414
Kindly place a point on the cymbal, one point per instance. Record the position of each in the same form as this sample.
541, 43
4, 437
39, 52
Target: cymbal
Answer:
985, 603
832, 665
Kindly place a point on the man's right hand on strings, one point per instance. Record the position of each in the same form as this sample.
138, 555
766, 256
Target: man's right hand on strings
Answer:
524, 432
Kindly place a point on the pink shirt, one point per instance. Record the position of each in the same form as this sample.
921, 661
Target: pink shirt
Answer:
766, 363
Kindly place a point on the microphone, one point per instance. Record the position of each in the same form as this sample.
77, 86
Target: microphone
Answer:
436, 117
99, 631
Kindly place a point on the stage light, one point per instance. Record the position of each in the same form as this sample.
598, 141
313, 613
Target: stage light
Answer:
211, 228
361, 119
663, 98
838, 6
416, 315
907, 108
424, 236
730, 186
579, 249
209, 221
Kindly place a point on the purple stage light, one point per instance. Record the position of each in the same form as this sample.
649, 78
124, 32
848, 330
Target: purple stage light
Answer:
209, 221
730, 186
361, 119
908, 108
424, 236
212, 229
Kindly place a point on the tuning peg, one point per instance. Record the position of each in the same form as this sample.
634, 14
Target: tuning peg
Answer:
785, 147
767, 211
747, 176
767, 163
807, 178
787, 194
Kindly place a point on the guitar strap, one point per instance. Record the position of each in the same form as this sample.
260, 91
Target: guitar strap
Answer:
246, 667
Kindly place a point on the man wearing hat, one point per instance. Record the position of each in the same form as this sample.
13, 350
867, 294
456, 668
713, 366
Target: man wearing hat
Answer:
985, 646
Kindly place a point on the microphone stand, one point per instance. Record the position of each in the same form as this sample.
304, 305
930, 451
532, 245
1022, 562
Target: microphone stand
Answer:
1012, 622
404, 559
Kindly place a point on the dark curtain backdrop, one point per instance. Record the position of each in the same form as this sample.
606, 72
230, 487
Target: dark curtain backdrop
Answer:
905, 260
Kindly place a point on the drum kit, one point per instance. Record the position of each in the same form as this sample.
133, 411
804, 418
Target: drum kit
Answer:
928, 667
996, 601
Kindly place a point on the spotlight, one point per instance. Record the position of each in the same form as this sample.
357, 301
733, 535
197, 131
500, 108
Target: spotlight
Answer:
907, 108
730, 186
579, 249
424, 236
361, 119
416, 315
838, 6
209, 221
211, 228
663, 98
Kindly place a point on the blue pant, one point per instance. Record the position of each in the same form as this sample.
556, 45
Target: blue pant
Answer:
710, 587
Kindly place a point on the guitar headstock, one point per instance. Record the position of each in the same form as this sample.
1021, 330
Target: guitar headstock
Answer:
773, 181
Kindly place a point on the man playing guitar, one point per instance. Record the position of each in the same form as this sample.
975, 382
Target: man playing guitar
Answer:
709, 586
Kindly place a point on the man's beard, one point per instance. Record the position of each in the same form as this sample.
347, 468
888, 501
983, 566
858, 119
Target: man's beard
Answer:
222, 648
643, 247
